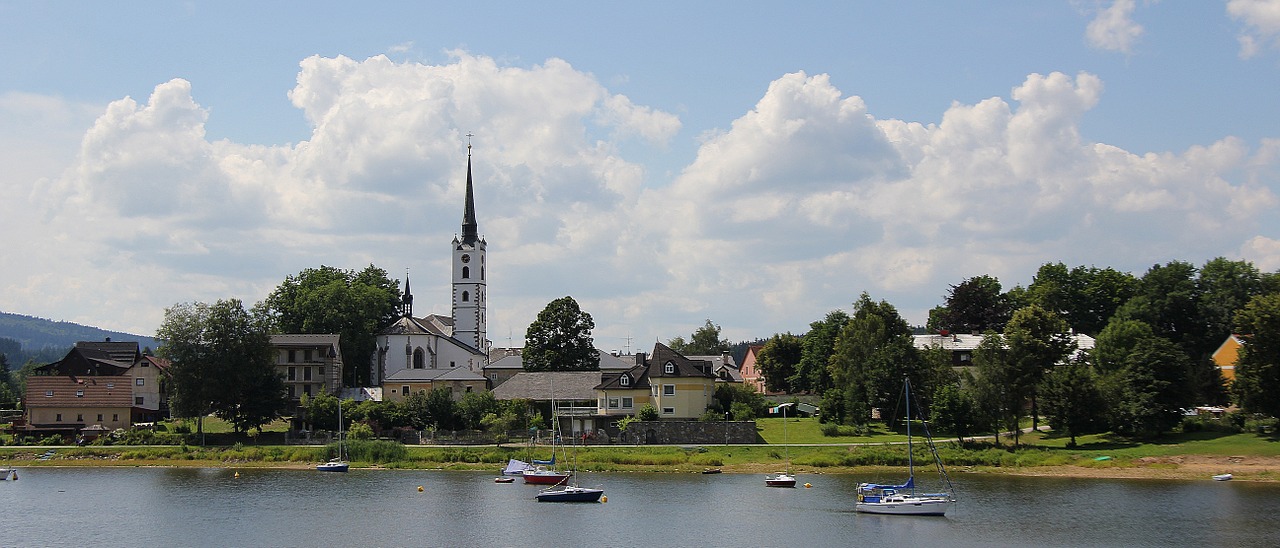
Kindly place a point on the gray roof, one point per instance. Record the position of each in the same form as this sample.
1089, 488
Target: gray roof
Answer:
424, 375
548, 385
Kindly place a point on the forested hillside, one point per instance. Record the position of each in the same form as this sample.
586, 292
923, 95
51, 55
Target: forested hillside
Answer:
40, 336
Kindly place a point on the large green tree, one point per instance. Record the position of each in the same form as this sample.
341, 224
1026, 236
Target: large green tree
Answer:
813, 373
778, 361
994, 386
222, 363
331, 300
1258, 370
705, 341
873, 353
1037, 341
1151, 389
560, 339
1072, 399
975, 305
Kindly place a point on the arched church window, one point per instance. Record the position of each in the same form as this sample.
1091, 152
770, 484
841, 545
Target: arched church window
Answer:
466, 272
481, 272
466, 296
419, 359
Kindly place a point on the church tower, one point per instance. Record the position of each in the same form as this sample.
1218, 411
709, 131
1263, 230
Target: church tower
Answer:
470, 295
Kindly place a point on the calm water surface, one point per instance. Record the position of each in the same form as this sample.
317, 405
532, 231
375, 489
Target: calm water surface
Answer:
210, 507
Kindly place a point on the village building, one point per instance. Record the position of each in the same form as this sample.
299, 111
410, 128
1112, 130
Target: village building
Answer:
420, 354
310, 364
97, 387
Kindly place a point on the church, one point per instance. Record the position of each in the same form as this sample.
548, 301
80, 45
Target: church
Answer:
422, 354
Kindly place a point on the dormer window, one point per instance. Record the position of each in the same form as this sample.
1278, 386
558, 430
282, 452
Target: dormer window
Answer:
624, 380
669, 368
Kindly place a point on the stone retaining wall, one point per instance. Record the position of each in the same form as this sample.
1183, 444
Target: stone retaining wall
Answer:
689, 432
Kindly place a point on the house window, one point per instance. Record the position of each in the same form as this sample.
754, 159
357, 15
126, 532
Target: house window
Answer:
79, 393
139, 381
145, 363
48, 393
453, 364
668, 390
669, 368
293, 373
468, 388
79, 417
115, 417
613, 403
293, 356
624, 380
600, 403
99, 417
419, 359
628, 403
306, 389
668, 410
137, 400
111, 385
306, 355
306, 373
58, 417
466, 272
404, 390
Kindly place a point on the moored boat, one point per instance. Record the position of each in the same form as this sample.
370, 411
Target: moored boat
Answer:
570, 493
541, 475
7, 474
1222, 477
903, 499
781, 479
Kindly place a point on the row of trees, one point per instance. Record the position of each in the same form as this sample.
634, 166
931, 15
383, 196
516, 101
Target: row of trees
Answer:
434, 410
1154, 337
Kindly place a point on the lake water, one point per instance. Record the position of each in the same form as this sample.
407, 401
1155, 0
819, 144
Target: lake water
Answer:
210, 507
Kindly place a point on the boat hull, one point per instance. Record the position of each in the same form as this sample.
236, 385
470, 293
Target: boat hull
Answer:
545, 477
906, 507
333, 467
780, 480
571, 494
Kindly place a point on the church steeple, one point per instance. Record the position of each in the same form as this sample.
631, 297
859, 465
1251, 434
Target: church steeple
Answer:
470, 292
470, 232
406, 302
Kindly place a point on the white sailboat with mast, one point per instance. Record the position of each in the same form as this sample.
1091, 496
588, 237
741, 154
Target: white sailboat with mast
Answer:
904, 499
339, 463
782, 479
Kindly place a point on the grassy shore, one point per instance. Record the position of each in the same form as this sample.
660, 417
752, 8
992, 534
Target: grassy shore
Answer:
1249, 457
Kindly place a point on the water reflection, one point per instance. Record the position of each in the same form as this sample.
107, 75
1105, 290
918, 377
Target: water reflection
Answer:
212, 507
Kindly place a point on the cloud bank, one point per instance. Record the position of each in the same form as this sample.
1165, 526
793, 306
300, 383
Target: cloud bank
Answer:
791, 210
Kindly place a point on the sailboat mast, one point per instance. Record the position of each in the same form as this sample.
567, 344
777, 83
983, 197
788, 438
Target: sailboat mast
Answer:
911, 465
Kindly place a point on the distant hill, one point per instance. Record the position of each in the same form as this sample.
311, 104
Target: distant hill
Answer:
39, 334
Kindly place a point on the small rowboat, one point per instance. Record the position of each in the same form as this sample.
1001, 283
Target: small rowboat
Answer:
503, 479
1222, 477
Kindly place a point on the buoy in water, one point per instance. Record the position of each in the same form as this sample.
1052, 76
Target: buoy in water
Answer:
419, 488
807, 485
604, 498
237, 474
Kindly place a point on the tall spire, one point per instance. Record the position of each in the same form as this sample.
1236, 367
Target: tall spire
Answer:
469, 226
406, 302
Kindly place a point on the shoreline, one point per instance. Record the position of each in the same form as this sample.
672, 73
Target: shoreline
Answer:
1256, 469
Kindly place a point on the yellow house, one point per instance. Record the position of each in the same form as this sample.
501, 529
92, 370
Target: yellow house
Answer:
624, 393
458, 380
681, 388
1226, 356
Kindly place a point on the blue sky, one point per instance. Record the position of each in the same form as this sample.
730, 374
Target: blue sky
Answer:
756, 164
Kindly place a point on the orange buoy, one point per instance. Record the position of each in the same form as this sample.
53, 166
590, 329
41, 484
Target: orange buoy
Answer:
419, 488
807, 485
604, 498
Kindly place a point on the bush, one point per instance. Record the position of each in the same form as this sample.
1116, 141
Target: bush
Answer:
647, 412
360, 431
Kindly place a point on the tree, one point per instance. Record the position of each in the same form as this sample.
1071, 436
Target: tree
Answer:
330, 300
1151, 390
1072, 399
1037, 340
474, 406
994, 388
560, 339
1085, 297
975, 305
872, 355
1258, 368
442, 411
813, 374
221, 363
778, 361
705, 341
742, 401
954, 410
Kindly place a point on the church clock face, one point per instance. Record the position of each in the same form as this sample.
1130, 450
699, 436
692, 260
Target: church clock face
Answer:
466, 258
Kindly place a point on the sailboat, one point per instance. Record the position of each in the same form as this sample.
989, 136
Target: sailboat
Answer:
903, 499
782, 479
563, 490
339, 463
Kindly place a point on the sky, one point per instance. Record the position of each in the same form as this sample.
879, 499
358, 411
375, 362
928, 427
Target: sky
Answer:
756, 164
